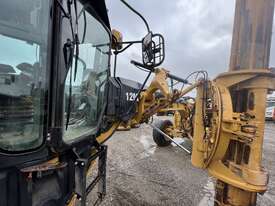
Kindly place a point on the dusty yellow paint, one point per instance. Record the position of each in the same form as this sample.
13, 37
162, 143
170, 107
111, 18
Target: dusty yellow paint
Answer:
230, 148
104, 136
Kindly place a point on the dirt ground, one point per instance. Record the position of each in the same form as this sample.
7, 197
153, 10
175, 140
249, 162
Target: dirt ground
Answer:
140, 173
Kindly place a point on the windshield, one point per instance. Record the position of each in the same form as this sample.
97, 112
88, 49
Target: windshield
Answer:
88, 87
23, 63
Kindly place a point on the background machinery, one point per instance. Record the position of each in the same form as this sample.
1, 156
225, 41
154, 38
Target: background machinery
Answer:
65, 104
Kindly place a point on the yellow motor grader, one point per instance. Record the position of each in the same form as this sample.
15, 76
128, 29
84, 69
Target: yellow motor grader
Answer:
59, 102
229, 113
157, 97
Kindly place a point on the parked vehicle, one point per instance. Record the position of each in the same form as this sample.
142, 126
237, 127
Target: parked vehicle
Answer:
270, 109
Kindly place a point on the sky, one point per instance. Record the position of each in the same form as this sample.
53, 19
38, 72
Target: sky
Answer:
198, 34
22, 51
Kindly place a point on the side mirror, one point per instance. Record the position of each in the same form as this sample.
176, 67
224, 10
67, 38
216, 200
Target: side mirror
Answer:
153, 50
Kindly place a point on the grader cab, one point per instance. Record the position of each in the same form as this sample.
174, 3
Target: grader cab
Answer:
59, 102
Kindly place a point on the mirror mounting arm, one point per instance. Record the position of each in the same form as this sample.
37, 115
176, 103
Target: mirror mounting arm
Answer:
137, 13
129, 44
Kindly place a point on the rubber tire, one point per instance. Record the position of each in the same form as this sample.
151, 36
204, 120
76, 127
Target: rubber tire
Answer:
158, 138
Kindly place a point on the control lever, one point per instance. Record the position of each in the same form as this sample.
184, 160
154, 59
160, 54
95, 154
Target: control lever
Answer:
184, 81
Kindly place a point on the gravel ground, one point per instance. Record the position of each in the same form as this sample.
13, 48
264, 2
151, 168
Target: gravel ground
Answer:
140, 173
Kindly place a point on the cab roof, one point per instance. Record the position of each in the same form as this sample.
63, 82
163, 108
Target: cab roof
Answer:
99, 6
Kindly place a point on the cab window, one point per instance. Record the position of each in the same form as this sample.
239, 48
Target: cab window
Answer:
85, 87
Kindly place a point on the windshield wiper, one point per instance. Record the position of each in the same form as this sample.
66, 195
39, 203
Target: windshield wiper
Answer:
71, 47
76, 38
67, 15
68, 58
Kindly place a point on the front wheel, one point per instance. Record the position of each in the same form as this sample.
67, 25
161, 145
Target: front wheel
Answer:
160, 139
